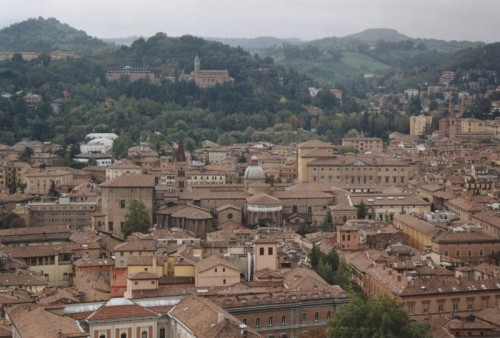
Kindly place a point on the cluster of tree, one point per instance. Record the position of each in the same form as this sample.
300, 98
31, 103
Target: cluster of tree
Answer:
136, 219
11, 220
374, 317
333, 269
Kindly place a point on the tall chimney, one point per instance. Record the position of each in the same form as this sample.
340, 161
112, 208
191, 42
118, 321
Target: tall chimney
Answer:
220, 317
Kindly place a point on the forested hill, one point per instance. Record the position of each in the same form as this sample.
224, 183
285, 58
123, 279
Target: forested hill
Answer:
262, 95
485, 57
46, 35
172, 55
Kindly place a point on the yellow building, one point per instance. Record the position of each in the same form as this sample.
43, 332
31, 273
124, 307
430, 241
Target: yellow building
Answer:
308, 152
216, 271
39, 181
420, 231
493, 128
418, 124
53, 262
152, 264
471, 125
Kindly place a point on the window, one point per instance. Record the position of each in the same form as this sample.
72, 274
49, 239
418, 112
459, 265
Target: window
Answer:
123, 335
446, 253
270, 251
316, 316
244, 321
455, 306
440, 307
230, 216
481, 253
224, 281
144, 334
257, 322
329, 315
283, 320
469, 253
162, 333
410, 309
122, 204
457, 254
215, 269
270, 321
102, 336
110, 226
261, 251
304, 317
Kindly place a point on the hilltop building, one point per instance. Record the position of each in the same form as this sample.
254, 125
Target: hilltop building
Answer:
206, 78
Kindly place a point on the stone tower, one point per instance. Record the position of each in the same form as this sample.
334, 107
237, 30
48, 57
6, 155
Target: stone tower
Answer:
196, 64
181, 166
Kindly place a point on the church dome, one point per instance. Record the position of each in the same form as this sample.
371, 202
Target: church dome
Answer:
254, 171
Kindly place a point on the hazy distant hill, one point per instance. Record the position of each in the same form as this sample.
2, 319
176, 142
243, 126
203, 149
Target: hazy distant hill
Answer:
126, 41
46, 35
375, 34
256, 43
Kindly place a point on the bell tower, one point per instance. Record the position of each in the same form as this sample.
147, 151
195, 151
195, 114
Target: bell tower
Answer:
181, 166
196, 64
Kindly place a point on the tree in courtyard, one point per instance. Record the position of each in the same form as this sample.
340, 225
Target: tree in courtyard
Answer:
136, 219
362, 210
374, 317
53, 190
352, 133
315, 256
26, 154
314, 332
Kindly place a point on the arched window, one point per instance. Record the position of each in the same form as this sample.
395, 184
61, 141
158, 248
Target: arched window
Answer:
257, 322
270, 321
123, 335
283, 320
144, 334
102, 336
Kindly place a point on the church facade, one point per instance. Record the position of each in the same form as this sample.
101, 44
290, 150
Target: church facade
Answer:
206, 78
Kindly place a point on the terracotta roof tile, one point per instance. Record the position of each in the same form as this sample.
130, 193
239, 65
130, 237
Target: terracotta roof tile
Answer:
263, 199
125, 181
35, 321
120, 308
213, 261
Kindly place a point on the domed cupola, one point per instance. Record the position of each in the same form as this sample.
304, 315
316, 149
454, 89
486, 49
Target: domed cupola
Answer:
254, 171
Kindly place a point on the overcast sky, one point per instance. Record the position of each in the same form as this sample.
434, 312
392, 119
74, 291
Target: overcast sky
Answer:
475, 20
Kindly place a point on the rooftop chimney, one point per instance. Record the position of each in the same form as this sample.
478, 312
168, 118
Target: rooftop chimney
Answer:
243, 330
220, 317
